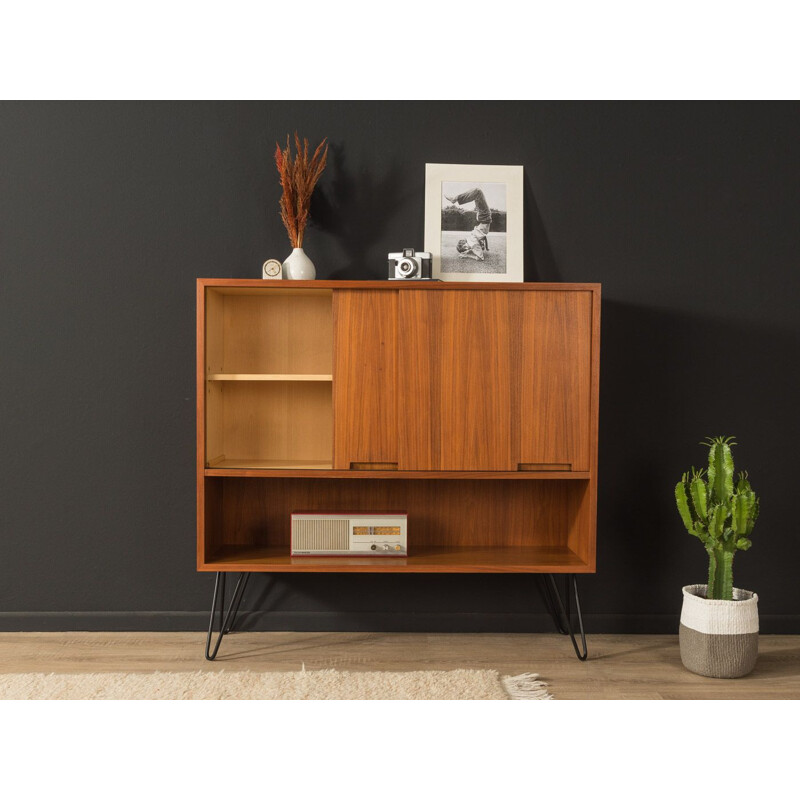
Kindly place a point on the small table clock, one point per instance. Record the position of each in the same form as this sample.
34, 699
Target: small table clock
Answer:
272, 270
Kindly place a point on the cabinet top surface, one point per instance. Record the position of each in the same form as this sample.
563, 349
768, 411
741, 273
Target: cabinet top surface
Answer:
258, 283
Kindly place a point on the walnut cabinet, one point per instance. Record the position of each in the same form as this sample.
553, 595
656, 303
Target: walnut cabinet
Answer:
472, 407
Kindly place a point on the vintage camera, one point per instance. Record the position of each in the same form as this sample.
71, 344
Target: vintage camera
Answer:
410, 266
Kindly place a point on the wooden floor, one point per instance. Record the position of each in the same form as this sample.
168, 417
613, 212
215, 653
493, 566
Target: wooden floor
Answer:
619, 667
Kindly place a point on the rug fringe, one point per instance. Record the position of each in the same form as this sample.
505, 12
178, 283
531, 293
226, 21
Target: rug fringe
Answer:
526, 687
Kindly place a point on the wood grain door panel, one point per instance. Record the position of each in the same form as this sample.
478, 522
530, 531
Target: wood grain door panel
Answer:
365, 377
462, 380
455, 386
555, 379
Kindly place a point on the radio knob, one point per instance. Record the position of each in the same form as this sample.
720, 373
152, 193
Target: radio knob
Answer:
397, 547
374, 547
386, 547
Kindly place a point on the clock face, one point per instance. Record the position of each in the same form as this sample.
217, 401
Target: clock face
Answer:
271, 269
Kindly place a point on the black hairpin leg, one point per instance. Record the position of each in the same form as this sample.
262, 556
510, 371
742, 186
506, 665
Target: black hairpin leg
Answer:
562, 612
226, 620
550, 602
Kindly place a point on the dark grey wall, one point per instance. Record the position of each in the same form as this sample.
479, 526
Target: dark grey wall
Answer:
687, 213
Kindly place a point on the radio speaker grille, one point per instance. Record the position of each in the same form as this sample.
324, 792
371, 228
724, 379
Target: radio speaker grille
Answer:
321, 534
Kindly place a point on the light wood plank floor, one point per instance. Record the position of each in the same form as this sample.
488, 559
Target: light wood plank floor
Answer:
619, 667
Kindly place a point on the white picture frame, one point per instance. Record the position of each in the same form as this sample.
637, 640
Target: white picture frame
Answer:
485, 255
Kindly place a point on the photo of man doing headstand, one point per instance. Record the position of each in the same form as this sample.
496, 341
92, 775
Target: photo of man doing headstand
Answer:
476, 244
474, 223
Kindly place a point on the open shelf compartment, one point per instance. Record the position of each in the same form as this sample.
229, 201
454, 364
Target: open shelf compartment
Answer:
269, 425
454, 526
268, 371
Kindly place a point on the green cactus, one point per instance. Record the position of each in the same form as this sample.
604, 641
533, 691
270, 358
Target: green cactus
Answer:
718, 513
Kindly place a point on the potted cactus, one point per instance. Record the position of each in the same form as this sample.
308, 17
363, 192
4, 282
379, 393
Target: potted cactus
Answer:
719, 623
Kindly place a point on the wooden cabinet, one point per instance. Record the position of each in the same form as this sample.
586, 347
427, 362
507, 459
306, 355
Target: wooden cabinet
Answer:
471, 406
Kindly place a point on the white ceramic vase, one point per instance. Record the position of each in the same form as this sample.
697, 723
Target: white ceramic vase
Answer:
299, 267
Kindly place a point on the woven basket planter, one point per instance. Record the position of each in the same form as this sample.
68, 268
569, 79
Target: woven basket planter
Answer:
719, 638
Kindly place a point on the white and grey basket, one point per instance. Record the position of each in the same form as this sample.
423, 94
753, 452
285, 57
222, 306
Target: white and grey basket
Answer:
719, 638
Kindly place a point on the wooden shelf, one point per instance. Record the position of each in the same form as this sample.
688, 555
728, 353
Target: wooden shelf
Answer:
296, 469
271, 467
241, 558
262, 376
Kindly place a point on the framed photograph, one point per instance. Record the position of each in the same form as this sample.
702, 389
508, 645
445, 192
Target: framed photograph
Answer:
473, 222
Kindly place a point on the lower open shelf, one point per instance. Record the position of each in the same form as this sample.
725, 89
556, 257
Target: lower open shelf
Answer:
466, 525
250, 558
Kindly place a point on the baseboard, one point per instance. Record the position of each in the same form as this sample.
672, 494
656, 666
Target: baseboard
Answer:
360, 623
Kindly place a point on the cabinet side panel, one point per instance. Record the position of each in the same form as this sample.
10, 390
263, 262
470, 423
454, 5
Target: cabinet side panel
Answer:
200, 421
455, 376
555, 379
365, 377
594, 432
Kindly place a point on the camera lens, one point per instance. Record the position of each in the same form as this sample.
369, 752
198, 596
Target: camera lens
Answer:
407, 267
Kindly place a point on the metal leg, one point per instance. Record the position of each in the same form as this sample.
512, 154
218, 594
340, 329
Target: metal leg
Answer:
566, 612
550, 602
230, 624
226, 620
560, 610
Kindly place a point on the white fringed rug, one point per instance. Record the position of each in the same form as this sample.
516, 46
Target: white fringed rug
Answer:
326, 684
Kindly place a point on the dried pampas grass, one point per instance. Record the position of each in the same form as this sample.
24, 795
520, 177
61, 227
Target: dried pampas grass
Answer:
298, 175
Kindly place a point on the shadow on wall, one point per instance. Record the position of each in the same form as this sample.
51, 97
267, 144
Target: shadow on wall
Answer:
353, 209
668, 379
540, 264
358, 209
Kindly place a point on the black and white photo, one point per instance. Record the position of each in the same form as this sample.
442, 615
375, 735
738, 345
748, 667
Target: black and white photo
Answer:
473, 225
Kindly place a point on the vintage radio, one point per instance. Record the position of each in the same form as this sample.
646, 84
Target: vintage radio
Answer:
341, 534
